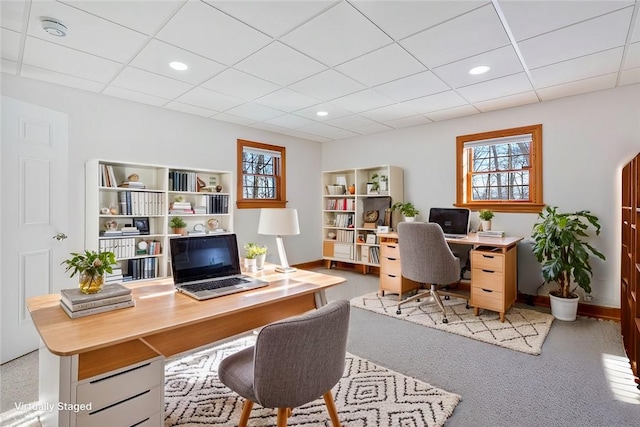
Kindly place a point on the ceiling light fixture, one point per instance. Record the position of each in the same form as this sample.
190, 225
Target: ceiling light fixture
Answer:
479, 70
322, 113
54, 27
179, 66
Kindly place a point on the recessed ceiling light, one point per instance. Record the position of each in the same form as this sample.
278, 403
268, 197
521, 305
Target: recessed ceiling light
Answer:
54, 27
479, 70
180, 66
322, 113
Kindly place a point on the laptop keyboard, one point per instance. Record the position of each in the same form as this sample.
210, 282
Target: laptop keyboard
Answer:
215, 284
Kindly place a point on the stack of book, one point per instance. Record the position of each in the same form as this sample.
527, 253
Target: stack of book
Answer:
129, 231
180, 208
115, 276
112, 297
132, 184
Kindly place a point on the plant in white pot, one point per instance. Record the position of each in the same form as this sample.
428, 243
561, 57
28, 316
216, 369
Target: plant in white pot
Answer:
486, 216
259, 253
407, 210
560, 246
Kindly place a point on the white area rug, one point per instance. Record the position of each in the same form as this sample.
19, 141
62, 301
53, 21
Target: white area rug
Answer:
523, 330
367, 396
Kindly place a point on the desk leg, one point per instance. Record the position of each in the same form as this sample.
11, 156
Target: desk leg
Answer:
476, 311
321, 298
55, 376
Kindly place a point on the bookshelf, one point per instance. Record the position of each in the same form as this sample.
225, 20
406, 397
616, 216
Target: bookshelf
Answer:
352, 207
630, 264
143, 196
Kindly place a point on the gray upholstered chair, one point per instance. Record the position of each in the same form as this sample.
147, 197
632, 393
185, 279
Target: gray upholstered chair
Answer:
425, 257
294, 361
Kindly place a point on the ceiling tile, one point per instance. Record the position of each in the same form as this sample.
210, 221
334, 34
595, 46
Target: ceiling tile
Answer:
337, 35
577, 40
406, 122
327, 85
144, 16
134, 96
390, 112
287, 100
239, 84
498, 88
362, 101
438, 101
227, 40
576, 69
325, 130
421, 84
87, 32
372, 128
8, 67
280, 64
230, 118
470, 34
190, 109
255, 112
635, 30
157, 55
60, 79
304, 135
64, 60
9, 44
350, 122
503, 62
209, 99
532, 18
152, 84
409, 17
383, 65
452, 113
630, 76
507, 101
290, 121
12, 14
632, 60
334, 111
582, 86
274, 18
268, 126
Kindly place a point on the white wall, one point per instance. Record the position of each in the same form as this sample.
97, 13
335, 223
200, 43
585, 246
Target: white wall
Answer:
586, 141
112, 128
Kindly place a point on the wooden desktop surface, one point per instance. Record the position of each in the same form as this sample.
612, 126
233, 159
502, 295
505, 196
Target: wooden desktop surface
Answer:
473, 240
171, 322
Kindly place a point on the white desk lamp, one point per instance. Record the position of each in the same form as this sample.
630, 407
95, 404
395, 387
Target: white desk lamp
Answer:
279, 222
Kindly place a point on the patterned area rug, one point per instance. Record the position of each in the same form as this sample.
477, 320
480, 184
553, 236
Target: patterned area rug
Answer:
367, 396
523, 330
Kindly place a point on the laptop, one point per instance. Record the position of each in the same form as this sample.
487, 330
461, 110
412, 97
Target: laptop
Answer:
453, 221
208, 266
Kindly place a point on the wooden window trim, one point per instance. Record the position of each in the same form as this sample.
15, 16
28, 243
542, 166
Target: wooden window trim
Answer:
463, 184
281, 200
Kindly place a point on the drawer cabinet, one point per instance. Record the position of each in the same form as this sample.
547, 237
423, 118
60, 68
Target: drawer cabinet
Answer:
391, 279
493, 280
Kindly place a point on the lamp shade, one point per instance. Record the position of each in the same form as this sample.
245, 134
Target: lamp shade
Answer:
278, 222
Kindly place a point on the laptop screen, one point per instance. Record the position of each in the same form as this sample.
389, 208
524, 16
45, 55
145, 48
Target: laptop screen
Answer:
204, 257
452, 220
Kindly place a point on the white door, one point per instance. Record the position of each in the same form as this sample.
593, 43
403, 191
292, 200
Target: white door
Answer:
33, 211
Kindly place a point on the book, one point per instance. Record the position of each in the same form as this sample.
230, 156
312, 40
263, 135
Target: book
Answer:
74, 296
491, 233
95, 303
96, 310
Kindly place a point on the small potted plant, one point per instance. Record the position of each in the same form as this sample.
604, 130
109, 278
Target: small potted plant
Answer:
407, 210
374, 185
91, 266
259, 253
178, 224
485, 217
564, 255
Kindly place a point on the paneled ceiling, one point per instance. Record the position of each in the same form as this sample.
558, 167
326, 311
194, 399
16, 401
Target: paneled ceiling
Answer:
371, 65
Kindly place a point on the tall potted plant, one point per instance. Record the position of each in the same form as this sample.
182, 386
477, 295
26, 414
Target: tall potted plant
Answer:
560, 246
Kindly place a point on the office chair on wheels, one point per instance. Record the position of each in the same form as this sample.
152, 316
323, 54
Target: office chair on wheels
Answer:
294, 362
425, 257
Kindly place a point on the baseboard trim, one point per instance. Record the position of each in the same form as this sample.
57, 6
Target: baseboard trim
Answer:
588, 310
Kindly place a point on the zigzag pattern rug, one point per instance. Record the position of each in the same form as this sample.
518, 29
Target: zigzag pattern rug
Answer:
523, 330
368, 395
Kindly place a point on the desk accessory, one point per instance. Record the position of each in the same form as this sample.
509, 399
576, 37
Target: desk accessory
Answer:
279, 222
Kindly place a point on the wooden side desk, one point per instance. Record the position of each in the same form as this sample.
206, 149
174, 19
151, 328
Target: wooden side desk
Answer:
494, 274
108, 369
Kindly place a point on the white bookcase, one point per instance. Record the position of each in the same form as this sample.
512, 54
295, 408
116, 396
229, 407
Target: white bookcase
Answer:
110, 203
347, 235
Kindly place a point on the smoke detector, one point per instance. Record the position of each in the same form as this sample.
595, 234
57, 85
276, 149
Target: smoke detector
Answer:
54, 27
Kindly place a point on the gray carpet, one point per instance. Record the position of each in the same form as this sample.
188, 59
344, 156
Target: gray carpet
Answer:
570, 384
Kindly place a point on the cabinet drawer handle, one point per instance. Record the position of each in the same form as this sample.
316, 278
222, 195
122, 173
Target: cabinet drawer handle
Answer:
391, 246
486, 290
488, 271
392, 259
392, 275
488, 256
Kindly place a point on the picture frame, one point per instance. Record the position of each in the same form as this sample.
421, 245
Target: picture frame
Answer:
142, 224
371, 239
383, 229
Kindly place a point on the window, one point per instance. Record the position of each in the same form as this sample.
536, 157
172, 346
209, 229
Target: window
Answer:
261, 175
500, 170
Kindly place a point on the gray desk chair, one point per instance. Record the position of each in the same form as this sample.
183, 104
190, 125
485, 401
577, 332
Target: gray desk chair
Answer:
425, 257
294, 362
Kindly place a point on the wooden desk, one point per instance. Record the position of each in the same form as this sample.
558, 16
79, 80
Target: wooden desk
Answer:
109, 359
494, 270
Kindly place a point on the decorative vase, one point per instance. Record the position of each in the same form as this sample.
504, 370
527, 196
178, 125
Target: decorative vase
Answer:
564, 308
409, 218
250, 265
180, 231
352, 189
90, 284
260, 261
486, 225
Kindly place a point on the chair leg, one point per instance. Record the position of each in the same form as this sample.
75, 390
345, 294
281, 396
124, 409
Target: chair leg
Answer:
436, 298
413, 298
282, 417
246, 412
331, 409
